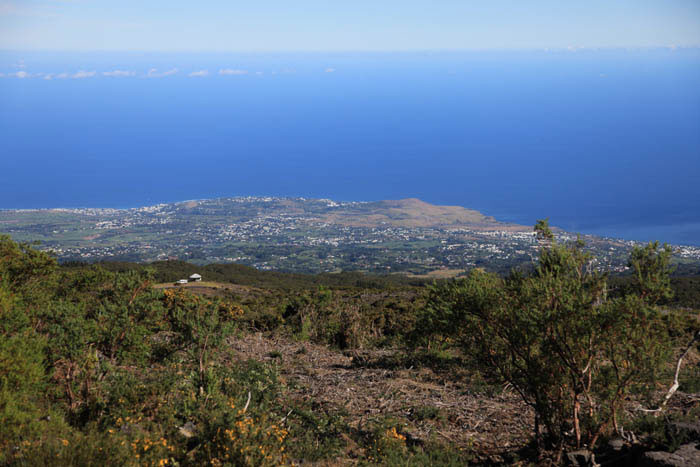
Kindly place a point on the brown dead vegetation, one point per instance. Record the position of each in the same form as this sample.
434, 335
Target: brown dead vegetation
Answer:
366, 386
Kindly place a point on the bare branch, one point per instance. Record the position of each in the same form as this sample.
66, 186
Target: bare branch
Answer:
286, 416
674, 387
247, 403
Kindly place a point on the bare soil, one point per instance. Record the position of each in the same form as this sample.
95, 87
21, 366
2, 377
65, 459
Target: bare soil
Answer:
365, 387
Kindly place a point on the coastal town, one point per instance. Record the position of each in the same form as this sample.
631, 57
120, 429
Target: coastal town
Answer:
301, 235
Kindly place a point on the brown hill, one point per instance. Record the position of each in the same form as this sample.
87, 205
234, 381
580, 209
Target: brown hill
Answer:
409, 212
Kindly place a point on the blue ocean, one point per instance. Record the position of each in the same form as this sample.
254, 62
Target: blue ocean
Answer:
602, 141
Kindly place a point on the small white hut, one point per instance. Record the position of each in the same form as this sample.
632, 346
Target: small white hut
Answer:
195, 278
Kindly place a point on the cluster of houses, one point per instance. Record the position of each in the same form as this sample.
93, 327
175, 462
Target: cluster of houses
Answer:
193, 278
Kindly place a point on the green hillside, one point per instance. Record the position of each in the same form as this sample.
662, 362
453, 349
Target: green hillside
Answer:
109, 364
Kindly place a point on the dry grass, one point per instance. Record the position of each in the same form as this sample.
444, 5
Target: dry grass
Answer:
407, 213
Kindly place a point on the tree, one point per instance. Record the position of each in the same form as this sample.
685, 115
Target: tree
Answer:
570, 351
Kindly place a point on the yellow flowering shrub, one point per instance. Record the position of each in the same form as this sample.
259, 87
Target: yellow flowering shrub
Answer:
249, 440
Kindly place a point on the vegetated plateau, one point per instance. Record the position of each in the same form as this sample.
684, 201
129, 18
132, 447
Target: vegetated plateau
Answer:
112, 363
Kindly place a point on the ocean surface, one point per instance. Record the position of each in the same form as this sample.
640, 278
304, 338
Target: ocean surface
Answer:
604, 142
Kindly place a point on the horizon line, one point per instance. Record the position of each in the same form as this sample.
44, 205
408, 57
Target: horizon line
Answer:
569, 48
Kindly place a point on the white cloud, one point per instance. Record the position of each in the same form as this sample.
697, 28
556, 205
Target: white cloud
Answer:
330, 70
84, 74
62, 76
259, 73
2, 75
228, 72
20, 74
48, 76
199, 74
118, 73
154, 73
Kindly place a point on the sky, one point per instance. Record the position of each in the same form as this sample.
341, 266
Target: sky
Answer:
453, 101
357, 25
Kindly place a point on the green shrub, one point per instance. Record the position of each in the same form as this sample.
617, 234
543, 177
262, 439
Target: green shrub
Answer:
350, 320
570, 352
390, 445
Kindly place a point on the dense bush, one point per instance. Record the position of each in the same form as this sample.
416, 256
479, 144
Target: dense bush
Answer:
97, 367
571, 352
351, 320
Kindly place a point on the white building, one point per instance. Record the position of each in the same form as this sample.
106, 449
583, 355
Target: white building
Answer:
195, 278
